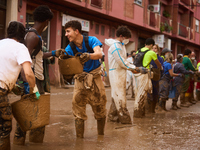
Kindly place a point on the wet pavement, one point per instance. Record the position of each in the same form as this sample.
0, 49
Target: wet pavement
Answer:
170, 130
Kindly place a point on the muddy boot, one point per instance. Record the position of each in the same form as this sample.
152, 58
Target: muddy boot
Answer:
174, 105
124, 116
112, 114
153, 106
182, 99
188, 101
161, 106
101, 125
79, 125
164, 104
20, 136
193, 99
37, 135
198, 95
5, 143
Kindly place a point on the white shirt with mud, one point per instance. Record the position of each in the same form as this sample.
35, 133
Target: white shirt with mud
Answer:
12, 55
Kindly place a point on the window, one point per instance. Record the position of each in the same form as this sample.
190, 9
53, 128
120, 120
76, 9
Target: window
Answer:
198, 1
102, 30
97, 29
139, 2
113, 32
97, 3
197, 26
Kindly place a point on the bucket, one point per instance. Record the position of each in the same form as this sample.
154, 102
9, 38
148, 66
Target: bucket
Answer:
71, 65
32, 114
156, 74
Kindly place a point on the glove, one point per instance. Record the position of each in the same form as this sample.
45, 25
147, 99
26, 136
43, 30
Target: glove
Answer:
18, 90
180, 75
57, 52
191, 72
34, 92
84, 57
142, 70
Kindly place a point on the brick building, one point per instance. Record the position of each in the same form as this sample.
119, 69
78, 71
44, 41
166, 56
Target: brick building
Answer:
172, 23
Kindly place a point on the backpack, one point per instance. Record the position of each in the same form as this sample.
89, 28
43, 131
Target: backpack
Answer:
139, 58
73, 46
39, 46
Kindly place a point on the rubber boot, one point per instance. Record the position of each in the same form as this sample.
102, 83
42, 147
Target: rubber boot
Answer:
5, 143
193, 99
124, 116
161, 105
164, 105
112, 114
79, 125
101, 125
182, 99
187, 101
198, 95
20, 136
37, 135
153, 107
174, 105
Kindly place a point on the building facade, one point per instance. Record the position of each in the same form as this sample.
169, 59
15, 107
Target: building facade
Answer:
172, 23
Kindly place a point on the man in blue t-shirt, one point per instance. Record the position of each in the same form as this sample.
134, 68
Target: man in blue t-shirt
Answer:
88, 88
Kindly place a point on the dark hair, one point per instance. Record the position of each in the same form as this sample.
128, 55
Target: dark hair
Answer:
74, 24
42, 13
187, 52
149, 41
124, 31
16, 30
133, 52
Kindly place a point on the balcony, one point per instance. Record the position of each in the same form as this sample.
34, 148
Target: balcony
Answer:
153, 19
182, 30
166, 24
186, 2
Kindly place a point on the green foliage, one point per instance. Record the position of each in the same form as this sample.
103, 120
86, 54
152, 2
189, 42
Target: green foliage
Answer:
165, 27
166, 14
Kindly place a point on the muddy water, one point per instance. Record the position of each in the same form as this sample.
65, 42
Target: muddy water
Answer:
172, 130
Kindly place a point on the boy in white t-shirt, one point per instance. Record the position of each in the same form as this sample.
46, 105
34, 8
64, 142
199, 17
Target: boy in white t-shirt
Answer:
14, 56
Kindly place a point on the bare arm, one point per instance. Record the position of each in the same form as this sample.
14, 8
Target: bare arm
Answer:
97, 53
172, 74
31, 41
158, 63
29, 74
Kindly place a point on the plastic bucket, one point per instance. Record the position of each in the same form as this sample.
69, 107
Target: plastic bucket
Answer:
32, 114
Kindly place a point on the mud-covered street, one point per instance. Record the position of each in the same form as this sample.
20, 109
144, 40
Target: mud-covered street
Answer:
171, 130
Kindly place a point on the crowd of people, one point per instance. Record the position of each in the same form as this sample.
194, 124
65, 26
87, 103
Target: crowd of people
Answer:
151, 76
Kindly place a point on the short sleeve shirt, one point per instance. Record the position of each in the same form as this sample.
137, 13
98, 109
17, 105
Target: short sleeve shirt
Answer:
90, 64
150, 55
167, 67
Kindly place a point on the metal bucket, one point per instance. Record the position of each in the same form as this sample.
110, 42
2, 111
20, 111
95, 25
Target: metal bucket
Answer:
71, 65
32, 114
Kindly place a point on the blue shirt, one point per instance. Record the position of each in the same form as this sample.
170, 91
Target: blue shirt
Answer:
90, 64
167, 67
154, 64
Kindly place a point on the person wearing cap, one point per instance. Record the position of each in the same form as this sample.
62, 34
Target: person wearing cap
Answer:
164, 52
178, 81
188, 66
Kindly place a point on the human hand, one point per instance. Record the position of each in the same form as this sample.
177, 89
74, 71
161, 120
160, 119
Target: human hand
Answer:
84, 57
142, 70
18, 90
180, 75
58, 52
